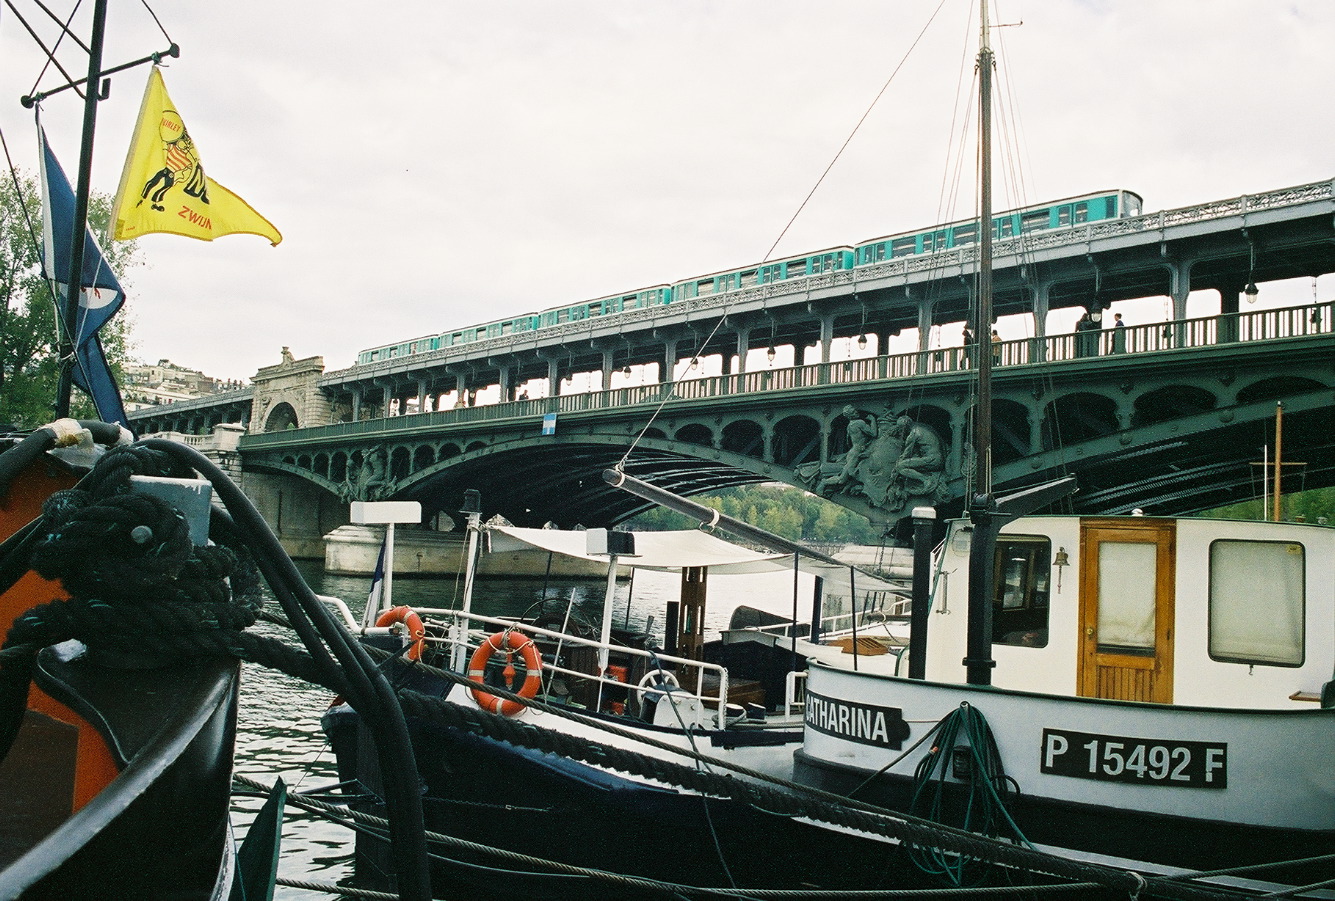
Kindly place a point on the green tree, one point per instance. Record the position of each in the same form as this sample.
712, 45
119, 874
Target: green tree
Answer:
783, 510
29, 343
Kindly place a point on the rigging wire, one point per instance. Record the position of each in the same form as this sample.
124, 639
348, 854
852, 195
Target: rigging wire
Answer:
855, 130
51, 53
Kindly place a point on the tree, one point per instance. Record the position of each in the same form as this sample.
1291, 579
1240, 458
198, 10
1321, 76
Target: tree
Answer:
29, 343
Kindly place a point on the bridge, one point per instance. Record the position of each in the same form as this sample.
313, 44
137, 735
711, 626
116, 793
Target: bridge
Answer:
1168, 417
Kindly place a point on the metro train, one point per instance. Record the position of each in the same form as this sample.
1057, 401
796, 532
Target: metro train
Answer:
1067, 213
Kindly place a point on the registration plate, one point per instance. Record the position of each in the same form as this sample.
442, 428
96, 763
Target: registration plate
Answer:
1141, 761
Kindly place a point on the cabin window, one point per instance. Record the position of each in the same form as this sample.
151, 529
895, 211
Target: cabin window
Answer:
1063, 215
1082, 212
1257, 602
1127, 597
1020, 591
966, 234
1006, 228
1035, 220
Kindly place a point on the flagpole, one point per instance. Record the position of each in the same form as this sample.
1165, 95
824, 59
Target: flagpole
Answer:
92, 88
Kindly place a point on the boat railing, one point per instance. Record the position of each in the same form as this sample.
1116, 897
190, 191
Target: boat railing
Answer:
466, 632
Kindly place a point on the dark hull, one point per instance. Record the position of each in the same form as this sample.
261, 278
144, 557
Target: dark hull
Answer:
160, 828
494, 794
1133, 835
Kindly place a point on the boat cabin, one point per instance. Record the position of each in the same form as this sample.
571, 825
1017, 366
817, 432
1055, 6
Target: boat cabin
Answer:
1168, 610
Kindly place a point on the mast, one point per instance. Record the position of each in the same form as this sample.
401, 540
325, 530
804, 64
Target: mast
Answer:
982, 325
69, 336
1279, 453
982, 506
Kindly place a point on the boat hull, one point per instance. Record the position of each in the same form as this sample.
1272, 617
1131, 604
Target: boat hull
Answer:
1226, 787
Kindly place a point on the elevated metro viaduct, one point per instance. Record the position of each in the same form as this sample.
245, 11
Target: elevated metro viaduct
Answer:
1165, 428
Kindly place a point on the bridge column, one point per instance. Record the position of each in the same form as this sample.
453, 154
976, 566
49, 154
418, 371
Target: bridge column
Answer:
1229, 297
925, 310
1041, 307
386, 398
669, 360
743, 344
503, 380
954, 460
826, 337
356, 404
1036, 429
607, 369
553, 377
421, 396
1179, 287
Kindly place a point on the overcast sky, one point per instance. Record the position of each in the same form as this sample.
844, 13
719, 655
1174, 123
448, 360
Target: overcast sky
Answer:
435, 163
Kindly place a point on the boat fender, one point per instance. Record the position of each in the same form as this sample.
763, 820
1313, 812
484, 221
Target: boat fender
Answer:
508, 643
413, 623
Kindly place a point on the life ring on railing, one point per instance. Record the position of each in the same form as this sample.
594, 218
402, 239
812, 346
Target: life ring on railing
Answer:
413, 623
507, 643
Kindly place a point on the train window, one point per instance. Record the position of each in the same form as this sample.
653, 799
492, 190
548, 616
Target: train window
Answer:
748, 278
1020, 591
562, 316
966, 234
902, 247
1082, 212
1006, 227
1063, 215
579, 312
1034, 220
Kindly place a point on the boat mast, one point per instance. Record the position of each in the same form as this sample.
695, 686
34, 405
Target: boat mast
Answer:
74, 290
982, 326
982, 506
1279, 452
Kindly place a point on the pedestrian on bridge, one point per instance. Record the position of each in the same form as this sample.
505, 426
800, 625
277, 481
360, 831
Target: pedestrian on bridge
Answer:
1119, 334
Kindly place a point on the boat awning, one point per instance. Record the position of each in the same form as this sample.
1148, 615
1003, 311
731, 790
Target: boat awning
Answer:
676, 550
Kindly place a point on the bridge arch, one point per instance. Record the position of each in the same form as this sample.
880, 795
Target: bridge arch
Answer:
1171, 402
797, 440
695, 433
281, 418
1078, 416
1277, 388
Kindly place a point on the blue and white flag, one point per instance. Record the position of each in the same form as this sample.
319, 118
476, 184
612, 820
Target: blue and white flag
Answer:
100, 294
377, 591
549, 423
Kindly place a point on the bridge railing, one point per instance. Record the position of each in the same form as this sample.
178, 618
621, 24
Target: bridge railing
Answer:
1205, 332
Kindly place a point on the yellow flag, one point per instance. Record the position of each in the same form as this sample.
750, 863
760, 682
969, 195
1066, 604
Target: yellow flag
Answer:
163, 186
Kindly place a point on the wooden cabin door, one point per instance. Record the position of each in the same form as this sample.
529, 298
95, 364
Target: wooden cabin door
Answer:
1126, 609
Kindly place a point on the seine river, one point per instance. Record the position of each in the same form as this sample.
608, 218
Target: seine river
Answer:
279, 731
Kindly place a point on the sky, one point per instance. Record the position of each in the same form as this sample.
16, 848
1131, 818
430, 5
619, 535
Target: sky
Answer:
438, 163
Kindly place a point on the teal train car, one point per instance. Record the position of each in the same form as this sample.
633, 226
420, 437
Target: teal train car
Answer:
1060, 214
830, 260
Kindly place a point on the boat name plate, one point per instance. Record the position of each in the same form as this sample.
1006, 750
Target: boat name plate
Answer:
1140, 761
866, 724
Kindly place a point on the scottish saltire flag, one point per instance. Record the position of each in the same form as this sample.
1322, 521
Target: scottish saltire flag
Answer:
100, 294
163, 186
377, 592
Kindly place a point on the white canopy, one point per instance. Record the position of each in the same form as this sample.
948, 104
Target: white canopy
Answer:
675, 550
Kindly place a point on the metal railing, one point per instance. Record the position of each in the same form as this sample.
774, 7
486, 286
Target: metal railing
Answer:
466, 632
1081, 347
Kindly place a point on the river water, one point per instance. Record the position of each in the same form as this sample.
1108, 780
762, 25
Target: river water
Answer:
279, 727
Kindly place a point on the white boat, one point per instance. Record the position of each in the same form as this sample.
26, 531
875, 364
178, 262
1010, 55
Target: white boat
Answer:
1161, 692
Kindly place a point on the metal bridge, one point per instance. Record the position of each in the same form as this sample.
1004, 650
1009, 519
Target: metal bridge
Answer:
1168, 417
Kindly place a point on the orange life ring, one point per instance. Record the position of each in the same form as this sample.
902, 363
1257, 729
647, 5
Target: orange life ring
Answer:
416, 631
506, 643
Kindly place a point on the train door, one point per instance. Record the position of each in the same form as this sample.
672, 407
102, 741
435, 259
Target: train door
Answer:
1126, 610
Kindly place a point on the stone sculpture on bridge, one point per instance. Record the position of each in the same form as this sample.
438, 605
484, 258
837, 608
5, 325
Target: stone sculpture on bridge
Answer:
370, 480
893, 462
